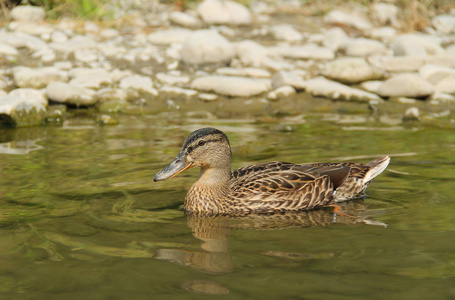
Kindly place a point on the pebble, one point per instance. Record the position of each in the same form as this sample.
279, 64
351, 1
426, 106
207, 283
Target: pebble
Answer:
28, 13
224, 12
352, 19
385, 13
435, 74
335, 38
71, 94
284, 91
172, 79
444, 24
170, 36
285, 78
251, 53
410, 85
206, 46
308, 51
431, 43
23, 111
184, 19
7, 50
286, 32
352, 70
208, 97
232, 86
249, 72
138, 83
39, 77
323, 87
90, 78
363, 47
411, 114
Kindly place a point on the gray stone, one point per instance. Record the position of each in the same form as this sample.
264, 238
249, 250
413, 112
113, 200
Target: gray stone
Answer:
364, 47
286, 32
7, 50
138, 83
169, 36
39, 77
335, 38
252, 53
184, 19
71, 94
206, 46
283, 78
351, 70
308, 51
231, 85
410, 85
28, 13
352, 19
26, 107
323, 87
444, 24
224, 12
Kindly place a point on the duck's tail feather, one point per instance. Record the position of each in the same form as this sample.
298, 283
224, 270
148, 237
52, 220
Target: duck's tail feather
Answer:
376, 167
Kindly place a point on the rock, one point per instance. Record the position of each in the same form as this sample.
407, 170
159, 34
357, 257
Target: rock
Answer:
70, 94
58, 36
283, 78
411, 114
31, 28
170, 36
385, 34
286, 32
446, 85
224, 12
352, 70
112, 106
28, 13
284, 91
251, 53
7, 50
385, 13
172, 79
138, 83
352, 19
436, 74
108, 94
371, 86
206, 46
231, 85
398, 63
335, 38
207, 97
177, 92
308, 51
26, 107
76, 43
39, 77
90, 78
431, 44
363, 47
184, 19
22, 40
444, 24
321, 86
443, 97
109, 33
106, 120
410, 85
249, 72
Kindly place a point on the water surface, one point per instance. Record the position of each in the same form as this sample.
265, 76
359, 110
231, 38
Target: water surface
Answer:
81, 217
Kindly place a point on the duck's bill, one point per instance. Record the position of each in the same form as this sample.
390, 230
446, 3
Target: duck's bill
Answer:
178, 165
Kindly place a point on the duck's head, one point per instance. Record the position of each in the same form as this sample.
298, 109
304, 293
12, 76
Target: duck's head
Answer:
206, 148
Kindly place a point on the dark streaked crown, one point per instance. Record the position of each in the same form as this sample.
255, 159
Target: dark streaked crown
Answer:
204, 132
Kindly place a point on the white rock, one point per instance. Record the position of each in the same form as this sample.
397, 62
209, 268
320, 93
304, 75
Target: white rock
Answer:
385, 13
177, 91
70, 94
39, 77
443, 97
251, 53
412, 113
75, 43
364, 47
284, 78
249, 72
169, 36
435, 73
371, 86
207, 97
410, 85
37, 95
308, 51
446, 85
323, 87
28, 13
224, 12
231, 85
398, 63
385, 34
6, 50
138, 83
23, 111
90, 77
351, 70
109, 33
444, 24
431, 44
86, 55
31, 28
107, 94
281, 92
206, 46
172, 79
184, 19
21, 40
348, 18
286, 32
335, 38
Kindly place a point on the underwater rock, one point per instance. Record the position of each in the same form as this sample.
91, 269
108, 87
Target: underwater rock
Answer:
23, 107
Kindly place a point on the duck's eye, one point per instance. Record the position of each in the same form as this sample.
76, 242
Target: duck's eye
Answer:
201, 143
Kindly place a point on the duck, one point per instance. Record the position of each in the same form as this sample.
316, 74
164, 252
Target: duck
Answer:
264, 188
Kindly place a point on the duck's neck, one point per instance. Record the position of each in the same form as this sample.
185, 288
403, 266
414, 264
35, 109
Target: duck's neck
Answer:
210, 192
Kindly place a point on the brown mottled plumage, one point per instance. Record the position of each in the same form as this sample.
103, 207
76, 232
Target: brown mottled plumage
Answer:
263, 188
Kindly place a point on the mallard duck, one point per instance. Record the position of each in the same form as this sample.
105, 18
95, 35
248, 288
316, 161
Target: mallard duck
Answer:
263, 188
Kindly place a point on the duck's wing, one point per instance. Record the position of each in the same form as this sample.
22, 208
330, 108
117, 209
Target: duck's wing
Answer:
279, 186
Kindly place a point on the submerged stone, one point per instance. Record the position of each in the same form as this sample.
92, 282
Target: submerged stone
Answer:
19, 111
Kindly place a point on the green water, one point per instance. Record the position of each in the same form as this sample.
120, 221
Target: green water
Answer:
81, 218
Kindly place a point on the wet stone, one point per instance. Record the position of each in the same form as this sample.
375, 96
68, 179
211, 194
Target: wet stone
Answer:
406, 85
71, 94
231, 85
39, 77
351, 70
